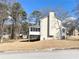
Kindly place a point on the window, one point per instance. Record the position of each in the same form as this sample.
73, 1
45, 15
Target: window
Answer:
63, 30
35, 29
32, 29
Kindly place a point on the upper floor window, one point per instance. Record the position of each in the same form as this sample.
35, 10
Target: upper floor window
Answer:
35, 29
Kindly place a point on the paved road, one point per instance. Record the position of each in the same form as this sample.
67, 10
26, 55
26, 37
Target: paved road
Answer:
58, 54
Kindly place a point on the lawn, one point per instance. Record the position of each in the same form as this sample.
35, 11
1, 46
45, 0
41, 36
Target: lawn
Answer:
39, 45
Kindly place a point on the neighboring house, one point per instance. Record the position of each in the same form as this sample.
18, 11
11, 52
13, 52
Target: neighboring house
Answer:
50, 28
74, 36
75, 32
34, 32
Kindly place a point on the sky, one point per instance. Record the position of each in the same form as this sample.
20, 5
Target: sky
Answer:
31, 5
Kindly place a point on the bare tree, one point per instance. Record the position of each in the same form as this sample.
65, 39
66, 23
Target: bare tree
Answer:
18, 14
61, 13
70, 23
76, 13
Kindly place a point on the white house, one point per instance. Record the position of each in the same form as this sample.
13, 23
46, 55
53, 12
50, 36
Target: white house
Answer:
50, 27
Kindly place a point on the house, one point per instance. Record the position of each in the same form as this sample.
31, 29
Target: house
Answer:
76, 32
74, 36
50, 28
34, 32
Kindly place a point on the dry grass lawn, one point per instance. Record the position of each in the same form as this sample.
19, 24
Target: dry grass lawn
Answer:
29, 46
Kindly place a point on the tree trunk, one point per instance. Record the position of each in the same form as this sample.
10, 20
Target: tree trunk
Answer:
12, 32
